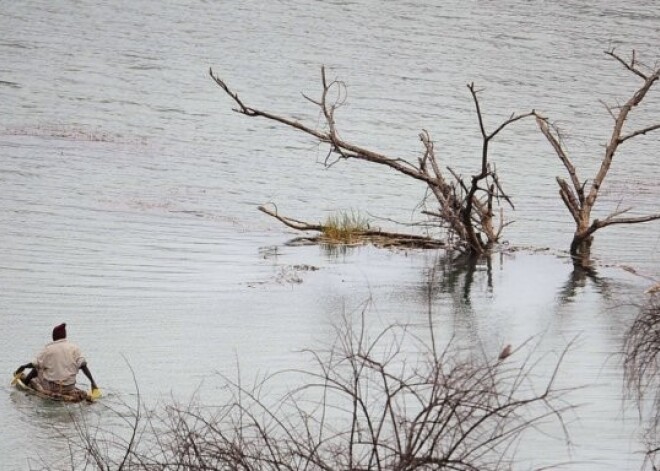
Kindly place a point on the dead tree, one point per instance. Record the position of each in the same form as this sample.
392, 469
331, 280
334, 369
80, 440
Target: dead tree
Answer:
467, 207
579, 197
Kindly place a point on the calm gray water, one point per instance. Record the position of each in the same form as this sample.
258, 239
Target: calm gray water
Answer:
128, 190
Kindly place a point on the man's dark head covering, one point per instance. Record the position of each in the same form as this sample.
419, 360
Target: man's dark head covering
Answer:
59, 332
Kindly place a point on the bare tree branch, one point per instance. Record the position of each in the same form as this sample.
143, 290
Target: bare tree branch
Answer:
632, 66
290, 222
597, 224
639, 132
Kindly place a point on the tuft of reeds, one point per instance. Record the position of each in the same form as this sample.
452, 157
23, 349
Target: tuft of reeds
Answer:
345, 227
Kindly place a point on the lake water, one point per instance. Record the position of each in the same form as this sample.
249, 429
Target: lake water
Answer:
128, 190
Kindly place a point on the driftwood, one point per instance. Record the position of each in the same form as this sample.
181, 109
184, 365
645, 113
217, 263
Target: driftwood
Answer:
376, 236
467, 207
579, 196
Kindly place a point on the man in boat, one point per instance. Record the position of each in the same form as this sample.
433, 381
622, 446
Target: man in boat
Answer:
55, 368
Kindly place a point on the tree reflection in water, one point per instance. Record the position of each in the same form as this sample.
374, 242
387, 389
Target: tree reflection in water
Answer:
578, 279
455, 276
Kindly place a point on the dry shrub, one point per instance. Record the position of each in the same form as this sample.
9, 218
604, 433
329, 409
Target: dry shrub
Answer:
641, 368
392, 401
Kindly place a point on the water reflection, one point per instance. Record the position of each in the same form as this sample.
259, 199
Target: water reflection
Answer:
578, 279
467, 266
455, 276
53, 424
338, 251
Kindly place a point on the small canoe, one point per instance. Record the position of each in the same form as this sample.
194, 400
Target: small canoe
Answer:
75, 396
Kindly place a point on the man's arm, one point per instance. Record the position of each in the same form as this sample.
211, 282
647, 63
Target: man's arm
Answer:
88, 373
22, 367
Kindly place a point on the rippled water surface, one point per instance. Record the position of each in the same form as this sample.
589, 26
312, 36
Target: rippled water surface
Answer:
128, 190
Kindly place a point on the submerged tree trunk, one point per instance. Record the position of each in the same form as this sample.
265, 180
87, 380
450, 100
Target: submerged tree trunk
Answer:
579, 197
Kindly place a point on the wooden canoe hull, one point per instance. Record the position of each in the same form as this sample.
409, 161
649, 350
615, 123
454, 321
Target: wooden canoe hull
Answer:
78, 396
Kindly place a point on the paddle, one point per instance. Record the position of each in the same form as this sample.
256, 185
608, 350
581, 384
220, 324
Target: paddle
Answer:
15, 379
95, 394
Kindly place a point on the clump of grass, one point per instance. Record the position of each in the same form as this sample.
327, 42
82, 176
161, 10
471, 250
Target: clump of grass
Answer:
345, 227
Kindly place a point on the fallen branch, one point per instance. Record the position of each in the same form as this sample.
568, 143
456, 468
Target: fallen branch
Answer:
383, 237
